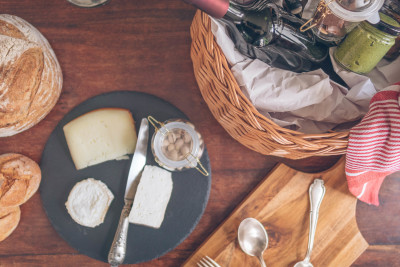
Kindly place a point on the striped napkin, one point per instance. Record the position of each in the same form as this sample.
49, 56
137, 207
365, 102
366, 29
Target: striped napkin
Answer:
374, 146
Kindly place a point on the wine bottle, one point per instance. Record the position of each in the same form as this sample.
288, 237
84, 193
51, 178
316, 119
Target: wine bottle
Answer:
272, 34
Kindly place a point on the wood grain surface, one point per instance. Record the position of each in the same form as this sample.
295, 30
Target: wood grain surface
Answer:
144, 46
281, 203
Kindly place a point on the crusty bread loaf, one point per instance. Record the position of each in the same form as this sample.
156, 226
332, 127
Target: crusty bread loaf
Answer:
30, 76
9, 219
19, 179
88, 202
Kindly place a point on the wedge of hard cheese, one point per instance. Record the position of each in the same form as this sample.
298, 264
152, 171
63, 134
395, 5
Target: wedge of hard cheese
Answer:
152, 197
100, 135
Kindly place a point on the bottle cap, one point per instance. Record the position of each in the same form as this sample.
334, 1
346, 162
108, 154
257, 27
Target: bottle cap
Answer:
215, 8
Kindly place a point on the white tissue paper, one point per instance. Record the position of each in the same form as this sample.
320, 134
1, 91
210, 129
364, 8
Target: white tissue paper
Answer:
308, 102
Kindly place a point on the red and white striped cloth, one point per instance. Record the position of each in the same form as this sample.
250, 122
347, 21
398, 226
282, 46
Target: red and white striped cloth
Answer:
374, 146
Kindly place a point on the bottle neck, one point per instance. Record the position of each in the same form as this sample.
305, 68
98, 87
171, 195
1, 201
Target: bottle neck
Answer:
234, 14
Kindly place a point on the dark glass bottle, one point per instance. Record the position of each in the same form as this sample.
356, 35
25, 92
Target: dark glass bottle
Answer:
270, 34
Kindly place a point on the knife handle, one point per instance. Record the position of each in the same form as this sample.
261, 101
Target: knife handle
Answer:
117, 252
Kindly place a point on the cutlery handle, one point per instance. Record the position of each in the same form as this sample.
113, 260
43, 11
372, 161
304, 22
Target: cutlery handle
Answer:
117, 252
262, 262
316, 192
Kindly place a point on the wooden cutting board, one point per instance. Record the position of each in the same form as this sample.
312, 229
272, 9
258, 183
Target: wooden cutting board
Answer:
281, 203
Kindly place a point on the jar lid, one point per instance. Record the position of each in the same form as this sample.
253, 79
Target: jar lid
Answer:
356, 10
388, 25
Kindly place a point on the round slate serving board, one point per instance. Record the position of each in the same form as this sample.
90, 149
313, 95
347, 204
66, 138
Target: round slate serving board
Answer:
188, 200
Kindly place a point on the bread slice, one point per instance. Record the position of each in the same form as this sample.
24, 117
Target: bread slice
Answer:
100, 135
9, 219
19, 179
88, 202
152, 197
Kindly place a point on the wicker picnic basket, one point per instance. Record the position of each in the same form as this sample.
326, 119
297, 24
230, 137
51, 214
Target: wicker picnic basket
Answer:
236, 113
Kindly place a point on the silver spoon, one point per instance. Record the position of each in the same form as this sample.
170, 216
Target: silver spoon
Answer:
253, 238
316, 192
88, 3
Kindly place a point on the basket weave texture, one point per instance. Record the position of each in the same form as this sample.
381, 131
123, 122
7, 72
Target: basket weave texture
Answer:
237, 114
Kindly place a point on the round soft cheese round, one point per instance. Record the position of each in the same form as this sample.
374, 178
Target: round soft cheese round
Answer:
88, 202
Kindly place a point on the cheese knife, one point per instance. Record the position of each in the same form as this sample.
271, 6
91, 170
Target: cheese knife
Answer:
117, 251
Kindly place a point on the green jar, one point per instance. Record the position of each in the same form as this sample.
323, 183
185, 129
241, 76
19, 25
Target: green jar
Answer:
367, 44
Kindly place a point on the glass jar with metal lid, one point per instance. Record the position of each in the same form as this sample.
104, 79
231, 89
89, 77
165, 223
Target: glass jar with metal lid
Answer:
333, 19
177, 145
366, 45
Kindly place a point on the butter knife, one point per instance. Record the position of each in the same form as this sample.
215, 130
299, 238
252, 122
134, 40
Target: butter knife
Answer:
117, 252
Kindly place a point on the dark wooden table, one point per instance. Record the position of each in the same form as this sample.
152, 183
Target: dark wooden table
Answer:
144, 46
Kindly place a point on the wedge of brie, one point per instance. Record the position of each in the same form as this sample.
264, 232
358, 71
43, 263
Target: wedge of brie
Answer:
88, 202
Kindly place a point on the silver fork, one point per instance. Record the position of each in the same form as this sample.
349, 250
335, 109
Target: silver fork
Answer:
207, 262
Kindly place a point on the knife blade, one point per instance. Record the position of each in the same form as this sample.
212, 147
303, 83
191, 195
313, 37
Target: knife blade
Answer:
138, 160
117, 251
